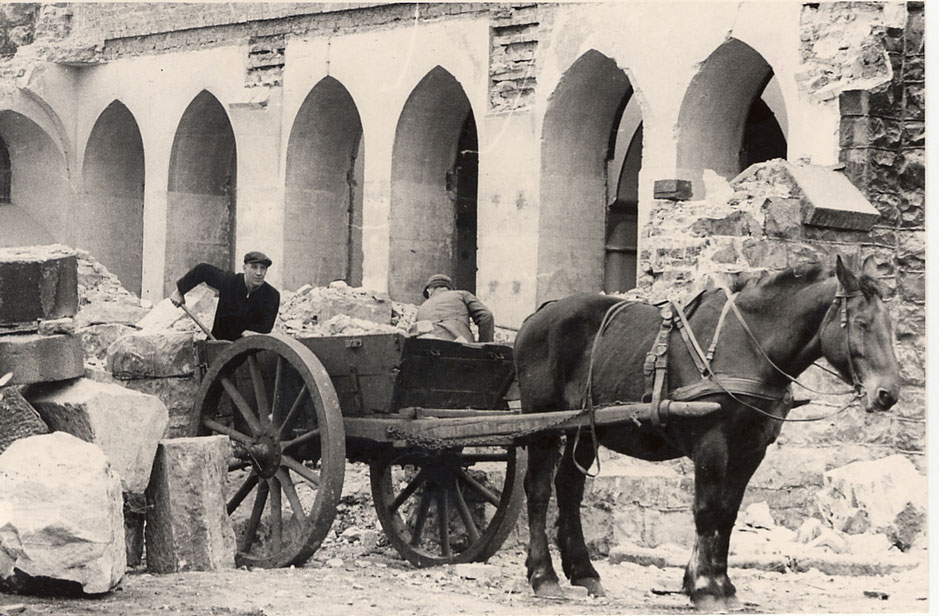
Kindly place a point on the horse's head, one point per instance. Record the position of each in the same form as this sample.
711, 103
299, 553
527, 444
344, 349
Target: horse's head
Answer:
857, 339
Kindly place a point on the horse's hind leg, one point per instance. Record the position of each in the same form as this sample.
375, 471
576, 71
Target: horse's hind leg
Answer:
720, 482
569, 483
542, 458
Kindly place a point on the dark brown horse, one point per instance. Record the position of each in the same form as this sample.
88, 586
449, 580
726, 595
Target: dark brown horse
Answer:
785, 322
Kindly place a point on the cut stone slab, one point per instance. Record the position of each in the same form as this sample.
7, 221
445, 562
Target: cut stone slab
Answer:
126, 424
61, 520
886, 496
96, 339
161, 353
177, 394
38, 359
187, 526
38, 282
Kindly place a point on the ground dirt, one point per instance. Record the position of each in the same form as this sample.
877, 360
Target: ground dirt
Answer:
356, 573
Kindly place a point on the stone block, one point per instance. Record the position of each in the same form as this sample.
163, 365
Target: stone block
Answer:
201, 301
870, 131
96, 339
162, 353
187, 526
177, 394
782, 218
737, 224
38, 282
911, 286
61, 520
126, 424
672, 190
37, 359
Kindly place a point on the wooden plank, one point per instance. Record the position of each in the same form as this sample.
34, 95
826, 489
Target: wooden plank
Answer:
424, 413
487, 425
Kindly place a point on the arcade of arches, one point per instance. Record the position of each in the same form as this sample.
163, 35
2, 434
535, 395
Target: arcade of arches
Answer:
524, 168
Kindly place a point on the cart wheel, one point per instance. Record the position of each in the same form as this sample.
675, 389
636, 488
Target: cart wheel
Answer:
285, 476
440, 507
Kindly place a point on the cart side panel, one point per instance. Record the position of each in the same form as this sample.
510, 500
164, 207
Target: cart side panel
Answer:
362, 368
446, 374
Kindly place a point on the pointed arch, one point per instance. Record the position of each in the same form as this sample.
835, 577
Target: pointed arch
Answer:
434, 180
731, 115
323, 192
201, 190
113, 196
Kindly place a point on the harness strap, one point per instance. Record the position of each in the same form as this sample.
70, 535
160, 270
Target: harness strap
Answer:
694, 349
709, 357
723, 383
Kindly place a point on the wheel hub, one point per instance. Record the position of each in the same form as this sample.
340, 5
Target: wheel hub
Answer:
265, 455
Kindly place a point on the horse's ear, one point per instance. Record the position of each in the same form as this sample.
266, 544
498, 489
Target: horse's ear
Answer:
846, 277
869, 268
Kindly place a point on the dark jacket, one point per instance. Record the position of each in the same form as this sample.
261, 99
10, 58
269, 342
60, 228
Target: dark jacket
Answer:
450, 312
237, 311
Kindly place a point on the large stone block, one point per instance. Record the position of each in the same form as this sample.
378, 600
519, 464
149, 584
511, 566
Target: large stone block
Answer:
38, 282
18, 419
96, 339
187, 526
201, 301
38, 359
61, 520
177, 394
126, 424
161, 353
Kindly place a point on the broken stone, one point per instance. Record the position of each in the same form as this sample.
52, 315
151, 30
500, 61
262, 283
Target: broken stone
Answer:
17, 418
187, 527
96, 339
809, 530
61, 523
101, 297
163, 353
37, 359
886, 495
832, 540
37, 282
126, 424
311, 306
177, 394
201, 301
757, 515
65, 325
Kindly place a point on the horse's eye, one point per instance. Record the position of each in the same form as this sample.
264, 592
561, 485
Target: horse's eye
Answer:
862, 323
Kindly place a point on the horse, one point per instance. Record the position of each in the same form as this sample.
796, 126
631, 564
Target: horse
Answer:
764, 336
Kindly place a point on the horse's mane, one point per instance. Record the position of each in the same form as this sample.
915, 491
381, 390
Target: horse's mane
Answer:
770, 287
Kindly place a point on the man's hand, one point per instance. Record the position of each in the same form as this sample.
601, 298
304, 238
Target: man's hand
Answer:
177, 298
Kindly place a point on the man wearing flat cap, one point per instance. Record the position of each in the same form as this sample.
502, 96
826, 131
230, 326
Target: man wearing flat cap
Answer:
245, 302
447, 312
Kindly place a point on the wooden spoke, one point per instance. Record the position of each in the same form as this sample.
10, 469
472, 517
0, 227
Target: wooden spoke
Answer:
421, 519
294, 409
443, 523
299, 469
465, 514
241, 404
491, 497
260, 396
275, 402
291, 492
221, 428
277, 526
252, 527
408, 490
303, 438
242, 492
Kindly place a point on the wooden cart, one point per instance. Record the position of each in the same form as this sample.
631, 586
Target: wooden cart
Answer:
430, 417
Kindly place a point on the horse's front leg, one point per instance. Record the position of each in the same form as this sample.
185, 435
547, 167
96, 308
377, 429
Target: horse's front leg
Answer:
721, 478
569, 485
542, 459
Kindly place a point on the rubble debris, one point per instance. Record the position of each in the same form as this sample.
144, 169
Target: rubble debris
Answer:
201, 301
187, 527
886, 496
757, 515
61, 520
17, 418
102, 298
126, 424
37, 282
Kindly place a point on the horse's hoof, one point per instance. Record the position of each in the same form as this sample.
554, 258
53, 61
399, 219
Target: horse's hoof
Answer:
593, 586
549, 590
733, 604
709, 604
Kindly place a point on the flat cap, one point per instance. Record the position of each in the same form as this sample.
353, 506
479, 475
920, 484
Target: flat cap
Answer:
438, 280
257, 257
